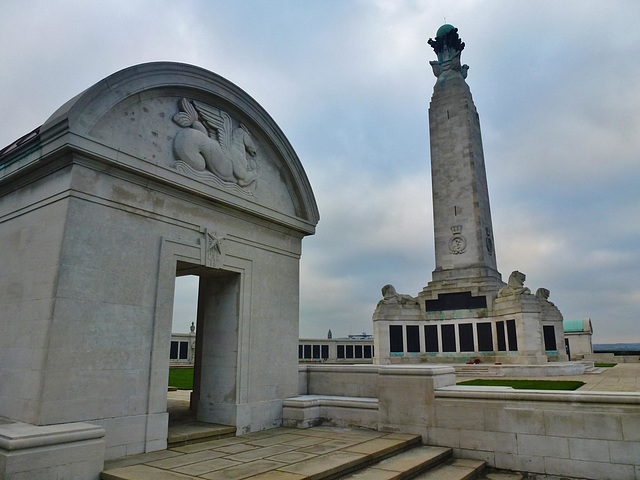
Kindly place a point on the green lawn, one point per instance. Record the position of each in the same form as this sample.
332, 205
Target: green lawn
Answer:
181, 378
604, 364
526, 384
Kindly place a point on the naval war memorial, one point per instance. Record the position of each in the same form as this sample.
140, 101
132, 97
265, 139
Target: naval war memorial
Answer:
165, 169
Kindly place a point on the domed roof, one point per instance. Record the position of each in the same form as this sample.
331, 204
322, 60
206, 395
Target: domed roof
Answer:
444, 29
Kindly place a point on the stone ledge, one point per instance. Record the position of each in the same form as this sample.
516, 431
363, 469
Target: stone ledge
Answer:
19, 435
417, 370
307, 401
490, 393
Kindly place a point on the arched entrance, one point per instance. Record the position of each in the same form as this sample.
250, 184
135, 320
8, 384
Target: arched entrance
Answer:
158, 169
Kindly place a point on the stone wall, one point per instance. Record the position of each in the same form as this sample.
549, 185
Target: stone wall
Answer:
594, 435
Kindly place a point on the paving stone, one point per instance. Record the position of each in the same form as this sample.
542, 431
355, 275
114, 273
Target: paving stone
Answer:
235, 448
292, 457
201, 468
308, 441
243, 471
260, 453
278, 475
284, 438
329, 446
372, 473
186, 459
378, 447
328, 464
142, 472
209, 445
454, 470
137, 459
414, 459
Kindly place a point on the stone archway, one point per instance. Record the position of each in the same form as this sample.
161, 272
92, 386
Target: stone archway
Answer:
100, 205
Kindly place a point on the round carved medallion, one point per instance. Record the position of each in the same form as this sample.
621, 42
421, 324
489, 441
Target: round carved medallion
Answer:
457, 244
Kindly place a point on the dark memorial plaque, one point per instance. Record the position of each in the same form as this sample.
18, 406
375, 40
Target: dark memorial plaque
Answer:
349, 351
431, 338
340, 351
316, 351
456, 301
367, 351
413, 338
485, 338
502, 341
299, 351
358, 351
448, 338
465, 331
173, 353
395, 339
549, 333
307, 351
511, 335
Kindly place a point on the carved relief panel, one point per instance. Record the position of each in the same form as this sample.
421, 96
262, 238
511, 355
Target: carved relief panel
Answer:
210, 146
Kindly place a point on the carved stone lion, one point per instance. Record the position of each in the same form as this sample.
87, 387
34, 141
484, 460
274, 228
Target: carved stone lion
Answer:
391, 297
542, 294
515, 285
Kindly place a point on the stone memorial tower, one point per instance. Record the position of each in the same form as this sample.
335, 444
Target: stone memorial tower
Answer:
462, 216
466, 312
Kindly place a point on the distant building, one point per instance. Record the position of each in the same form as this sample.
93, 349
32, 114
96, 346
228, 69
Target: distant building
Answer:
353, 349
183, 349
577, 334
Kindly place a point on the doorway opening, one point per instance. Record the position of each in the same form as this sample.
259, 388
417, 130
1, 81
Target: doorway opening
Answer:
209, 298
182, 349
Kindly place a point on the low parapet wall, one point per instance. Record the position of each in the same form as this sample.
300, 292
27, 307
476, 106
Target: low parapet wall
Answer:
594, 435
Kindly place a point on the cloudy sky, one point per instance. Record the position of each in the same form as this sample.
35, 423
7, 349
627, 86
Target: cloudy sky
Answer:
556, 84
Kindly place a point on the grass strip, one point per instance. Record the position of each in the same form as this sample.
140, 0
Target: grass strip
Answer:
181, 378
526, 384
604, 365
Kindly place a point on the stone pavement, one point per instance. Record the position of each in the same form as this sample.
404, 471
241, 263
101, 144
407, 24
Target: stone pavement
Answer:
624, 377
284, 453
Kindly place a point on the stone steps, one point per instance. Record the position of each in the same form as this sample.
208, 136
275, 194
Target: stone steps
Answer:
403, 465
193, 432
421, 463
477, 371
594, 370
318, 453
454, 469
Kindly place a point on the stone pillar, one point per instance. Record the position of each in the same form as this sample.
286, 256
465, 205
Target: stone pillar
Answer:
218, 356
525, 310
406, 396
462, 217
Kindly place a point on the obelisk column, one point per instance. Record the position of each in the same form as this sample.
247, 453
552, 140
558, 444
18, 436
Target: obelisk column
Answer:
463, 231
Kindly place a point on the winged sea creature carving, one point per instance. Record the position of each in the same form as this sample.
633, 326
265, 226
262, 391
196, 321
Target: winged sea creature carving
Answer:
208, 141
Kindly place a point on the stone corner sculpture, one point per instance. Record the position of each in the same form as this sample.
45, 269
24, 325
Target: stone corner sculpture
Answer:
515, 285
391, 297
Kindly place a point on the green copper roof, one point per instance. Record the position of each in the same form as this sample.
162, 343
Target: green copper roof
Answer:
444, 29
573, 325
